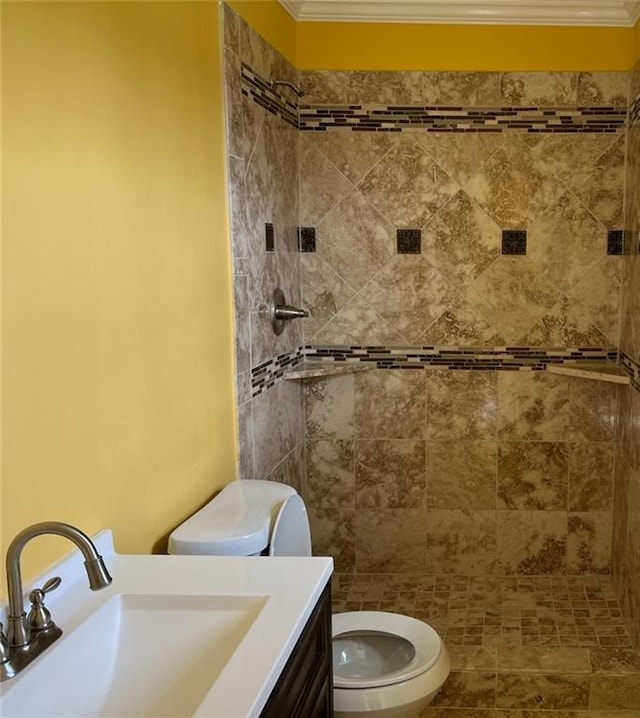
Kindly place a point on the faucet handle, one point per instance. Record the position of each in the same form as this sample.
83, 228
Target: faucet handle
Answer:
39, 617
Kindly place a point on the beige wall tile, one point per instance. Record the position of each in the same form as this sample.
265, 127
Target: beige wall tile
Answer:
462, 240
358, 323
601, 189
390, 404
598, 293
589, 542
565, 324
330, 473
591, 471
462, 88
230, 28
569, 157
461, 404
533, 475
277, 423
407, 186
461, 474
462, 325
324, 292
513, 187
333, 534
390, 540
603, 88
513, 295
629, 434
459, 155
321, 185
329, 407
565, 240
324, 87
539, 88
390, 473
353, 216
291, 470
533, 406
531, 542
410, 294
592, 410
353, 153
385, 88
461, 541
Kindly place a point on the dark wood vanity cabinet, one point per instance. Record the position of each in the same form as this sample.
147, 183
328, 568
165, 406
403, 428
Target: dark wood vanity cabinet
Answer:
305, 687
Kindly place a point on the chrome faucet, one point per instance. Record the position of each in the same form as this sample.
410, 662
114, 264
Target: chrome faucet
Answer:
29, 635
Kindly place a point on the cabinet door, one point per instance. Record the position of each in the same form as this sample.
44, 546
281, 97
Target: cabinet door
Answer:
305, 687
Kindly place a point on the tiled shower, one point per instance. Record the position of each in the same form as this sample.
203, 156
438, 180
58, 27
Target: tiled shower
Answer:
456, 234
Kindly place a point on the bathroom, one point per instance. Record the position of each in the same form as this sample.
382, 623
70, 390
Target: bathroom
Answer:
149, 357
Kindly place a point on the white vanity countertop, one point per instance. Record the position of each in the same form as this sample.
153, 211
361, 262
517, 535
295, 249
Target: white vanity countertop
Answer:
287, 590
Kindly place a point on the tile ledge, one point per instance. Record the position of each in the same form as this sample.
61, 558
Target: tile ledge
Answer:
598, 371
312, 370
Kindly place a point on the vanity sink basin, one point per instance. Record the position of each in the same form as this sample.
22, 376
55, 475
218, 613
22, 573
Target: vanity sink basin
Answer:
170, 637
138, 655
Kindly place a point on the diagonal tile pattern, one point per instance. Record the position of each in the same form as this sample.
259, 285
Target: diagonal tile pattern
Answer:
407, 186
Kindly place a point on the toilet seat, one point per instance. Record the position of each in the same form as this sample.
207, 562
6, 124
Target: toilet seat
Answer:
426, 643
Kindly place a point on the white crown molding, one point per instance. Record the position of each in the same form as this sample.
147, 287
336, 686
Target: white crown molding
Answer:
621, 13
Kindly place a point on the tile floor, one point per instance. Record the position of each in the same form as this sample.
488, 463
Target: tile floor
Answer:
520, 647
489, 611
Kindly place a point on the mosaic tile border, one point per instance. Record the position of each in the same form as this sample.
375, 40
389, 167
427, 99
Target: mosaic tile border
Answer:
433, 118
479, 358
267, 373
395, 118
257, 89
632, 368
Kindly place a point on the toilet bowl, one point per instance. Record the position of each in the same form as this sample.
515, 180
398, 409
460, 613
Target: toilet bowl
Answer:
385, 665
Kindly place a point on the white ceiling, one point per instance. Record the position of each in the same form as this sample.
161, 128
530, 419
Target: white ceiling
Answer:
622, 13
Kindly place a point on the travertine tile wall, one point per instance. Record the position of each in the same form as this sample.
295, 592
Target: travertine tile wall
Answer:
455, 471
626, 515
440, 471
263, 178
461, 472
461, 190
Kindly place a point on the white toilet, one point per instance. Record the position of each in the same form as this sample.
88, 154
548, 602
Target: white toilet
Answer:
385, 665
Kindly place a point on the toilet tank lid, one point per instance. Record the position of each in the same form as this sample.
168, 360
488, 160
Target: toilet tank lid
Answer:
237, 522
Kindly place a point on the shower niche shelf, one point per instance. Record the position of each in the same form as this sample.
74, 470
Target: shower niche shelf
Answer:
316, 369
598, 371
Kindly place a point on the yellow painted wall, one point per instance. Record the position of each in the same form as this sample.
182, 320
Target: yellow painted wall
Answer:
400, 46
636, 43
382, 46
118, 400
272, 21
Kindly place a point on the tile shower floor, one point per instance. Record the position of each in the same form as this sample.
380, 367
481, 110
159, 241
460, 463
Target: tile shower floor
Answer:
521, 647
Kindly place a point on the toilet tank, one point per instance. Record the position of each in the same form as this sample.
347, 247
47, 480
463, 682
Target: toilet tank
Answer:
237, 522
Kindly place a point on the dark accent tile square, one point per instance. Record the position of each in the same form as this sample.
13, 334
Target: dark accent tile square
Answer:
514, 241
269, 235
409, 241
615, 241
306, 239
